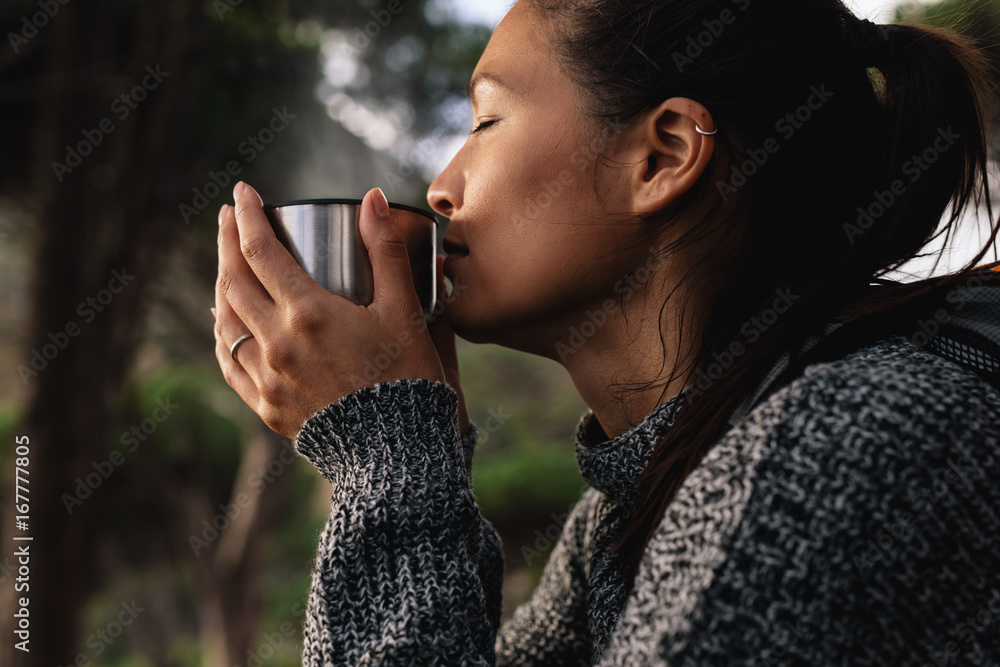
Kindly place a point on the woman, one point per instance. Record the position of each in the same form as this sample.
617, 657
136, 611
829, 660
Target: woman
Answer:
685, 203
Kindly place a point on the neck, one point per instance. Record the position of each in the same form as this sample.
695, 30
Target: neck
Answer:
621, 370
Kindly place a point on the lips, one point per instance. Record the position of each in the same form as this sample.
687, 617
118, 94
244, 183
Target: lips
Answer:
456, 252
454, 248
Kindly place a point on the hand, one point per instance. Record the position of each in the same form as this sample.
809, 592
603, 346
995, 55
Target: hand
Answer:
444, 341
310, 347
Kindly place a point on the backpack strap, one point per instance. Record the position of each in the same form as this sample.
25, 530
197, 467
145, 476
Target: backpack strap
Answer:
969, 336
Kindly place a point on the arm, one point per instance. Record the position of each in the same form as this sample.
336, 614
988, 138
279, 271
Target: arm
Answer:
397, 577
551, 628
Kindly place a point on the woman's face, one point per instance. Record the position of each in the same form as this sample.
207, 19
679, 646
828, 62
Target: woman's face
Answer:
531, 245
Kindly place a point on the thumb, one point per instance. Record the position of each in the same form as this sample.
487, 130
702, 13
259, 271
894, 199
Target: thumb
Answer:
389, 256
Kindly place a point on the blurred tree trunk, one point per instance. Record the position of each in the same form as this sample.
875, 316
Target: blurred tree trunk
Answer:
86, 234
227, 568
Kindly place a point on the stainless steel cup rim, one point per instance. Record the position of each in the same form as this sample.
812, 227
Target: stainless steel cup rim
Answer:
351, 202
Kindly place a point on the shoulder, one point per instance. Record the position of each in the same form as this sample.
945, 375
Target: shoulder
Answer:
871, 528
890, 437
887, 407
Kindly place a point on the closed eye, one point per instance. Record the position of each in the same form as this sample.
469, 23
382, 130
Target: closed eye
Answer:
482, 126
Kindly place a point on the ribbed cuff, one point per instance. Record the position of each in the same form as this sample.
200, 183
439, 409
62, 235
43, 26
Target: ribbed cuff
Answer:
402, 575
405, 424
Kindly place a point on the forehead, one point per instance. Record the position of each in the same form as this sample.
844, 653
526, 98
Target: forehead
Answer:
517, 44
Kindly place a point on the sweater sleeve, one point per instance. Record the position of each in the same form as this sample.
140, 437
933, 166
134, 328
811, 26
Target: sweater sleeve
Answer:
551, 628
407, 570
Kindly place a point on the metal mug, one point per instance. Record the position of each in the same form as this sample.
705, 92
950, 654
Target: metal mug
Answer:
324, 237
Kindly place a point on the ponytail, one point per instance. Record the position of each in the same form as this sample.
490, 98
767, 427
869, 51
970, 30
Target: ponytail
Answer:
855, 191
933, 87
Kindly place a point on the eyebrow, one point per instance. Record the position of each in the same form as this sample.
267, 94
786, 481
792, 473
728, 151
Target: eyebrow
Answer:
470, 90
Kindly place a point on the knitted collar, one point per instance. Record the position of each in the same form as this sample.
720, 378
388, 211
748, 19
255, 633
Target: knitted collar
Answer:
611, 466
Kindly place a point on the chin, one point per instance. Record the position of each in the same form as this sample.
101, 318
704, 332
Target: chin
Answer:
491, 327
469, 329
467, 324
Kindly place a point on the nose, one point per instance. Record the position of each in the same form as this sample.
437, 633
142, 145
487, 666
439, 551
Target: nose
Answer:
445, 194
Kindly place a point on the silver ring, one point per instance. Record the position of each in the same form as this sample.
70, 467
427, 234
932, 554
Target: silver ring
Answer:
232, 349
701, 131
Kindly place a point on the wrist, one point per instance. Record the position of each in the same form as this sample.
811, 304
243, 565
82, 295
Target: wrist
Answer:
390, 427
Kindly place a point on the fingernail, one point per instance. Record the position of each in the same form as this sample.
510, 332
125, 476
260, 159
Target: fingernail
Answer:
222, 214
449, 288
213, 313
238, 191
381, 204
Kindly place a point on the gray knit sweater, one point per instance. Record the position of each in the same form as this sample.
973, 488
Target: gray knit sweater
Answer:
850, 519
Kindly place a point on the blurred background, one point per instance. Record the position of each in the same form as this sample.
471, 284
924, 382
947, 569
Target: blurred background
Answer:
170, 527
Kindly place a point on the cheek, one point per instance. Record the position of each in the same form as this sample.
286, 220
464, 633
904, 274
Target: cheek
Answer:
531, 214
523, 176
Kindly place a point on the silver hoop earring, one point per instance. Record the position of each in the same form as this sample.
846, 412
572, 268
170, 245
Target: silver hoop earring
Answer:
701, 131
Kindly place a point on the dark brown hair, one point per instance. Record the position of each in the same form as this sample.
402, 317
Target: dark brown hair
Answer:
839, 148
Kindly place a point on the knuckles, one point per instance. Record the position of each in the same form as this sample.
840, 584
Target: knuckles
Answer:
393, 246
277, 354
255, 248
304, 317
227, 279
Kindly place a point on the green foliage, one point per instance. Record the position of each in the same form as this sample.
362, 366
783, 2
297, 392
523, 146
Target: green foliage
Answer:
527, 410
975, 18
526, 480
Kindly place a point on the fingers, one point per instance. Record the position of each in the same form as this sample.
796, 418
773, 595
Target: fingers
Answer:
264, 254
229, 326
389, 256
239, 285
228, 330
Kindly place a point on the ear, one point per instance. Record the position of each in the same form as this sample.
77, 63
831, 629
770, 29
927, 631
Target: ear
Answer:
667, 155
